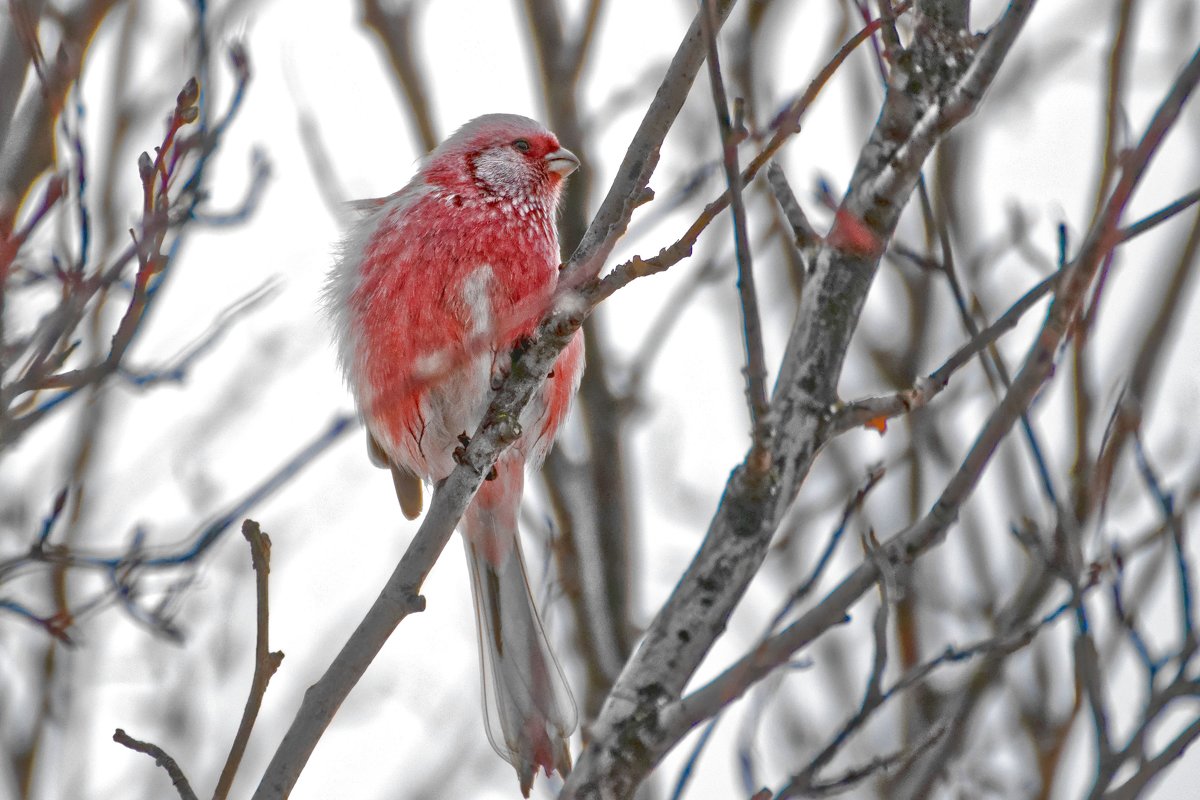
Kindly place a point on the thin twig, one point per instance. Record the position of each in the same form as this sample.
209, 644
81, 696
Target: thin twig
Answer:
756, 363
874, 411
1160, 216
161, 759
802, 230
873, 697
786, 123
265, 662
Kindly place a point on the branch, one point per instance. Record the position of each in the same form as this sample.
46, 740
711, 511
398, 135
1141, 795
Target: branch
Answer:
802, 229
909, 544
633, 176
161, 759
874, 411
1149, 770
1160, 216
392, 23
786, 123
756, 363
265, 662
628, 738
873, 698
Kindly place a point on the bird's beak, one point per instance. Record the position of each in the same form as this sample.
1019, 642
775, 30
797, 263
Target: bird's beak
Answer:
562, 161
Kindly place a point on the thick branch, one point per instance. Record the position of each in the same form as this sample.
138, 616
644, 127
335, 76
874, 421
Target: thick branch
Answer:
627, 739
910, 543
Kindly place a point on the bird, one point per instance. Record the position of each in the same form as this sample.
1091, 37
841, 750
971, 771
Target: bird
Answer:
432, 289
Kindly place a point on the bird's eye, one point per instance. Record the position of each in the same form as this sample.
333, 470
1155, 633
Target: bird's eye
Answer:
521, 145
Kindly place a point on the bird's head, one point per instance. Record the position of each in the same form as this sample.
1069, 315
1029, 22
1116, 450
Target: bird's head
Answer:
503, 155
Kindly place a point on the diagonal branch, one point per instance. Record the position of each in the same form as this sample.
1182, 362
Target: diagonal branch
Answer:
931, 529
874, 411
633, 175
628, 739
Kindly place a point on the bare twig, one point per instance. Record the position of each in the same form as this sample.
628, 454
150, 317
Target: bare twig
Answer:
1127, 412
756, 365
874, 411
633, 175
786, 123
802, 229
1160, 216
161, 759
265, 661
872, 698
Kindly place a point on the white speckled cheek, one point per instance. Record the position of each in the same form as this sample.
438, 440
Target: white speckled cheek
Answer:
501, 173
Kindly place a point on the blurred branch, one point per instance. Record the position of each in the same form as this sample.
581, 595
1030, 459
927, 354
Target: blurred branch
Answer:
1114, 113
392, 24
172, 184
1159, 217
1151, 768
28, 149
176, 369
123, 570
15, 57
330, 187
1127, 412
600, 582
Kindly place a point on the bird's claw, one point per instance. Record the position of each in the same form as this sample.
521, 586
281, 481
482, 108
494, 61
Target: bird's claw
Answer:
460, 452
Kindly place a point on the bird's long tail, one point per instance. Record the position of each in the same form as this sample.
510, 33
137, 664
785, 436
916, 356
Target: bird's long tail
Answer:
529, 709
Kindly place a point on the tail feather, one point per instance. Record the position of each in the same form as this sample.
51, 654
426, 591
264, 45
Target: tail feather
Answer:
528, 707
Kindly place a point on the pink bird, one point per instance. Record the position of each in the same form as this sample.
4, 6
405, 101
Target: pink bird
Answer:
433, 289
